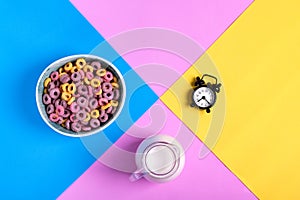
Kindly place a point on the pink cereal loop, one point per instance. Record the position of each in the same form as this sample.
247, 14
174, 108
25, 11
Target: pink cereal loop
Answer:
103, 101
54, 117
60, 110
108, 76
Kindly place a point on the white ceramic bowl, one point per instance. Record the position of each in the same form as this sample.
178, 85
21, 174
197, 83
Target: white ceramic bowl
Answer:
55, 66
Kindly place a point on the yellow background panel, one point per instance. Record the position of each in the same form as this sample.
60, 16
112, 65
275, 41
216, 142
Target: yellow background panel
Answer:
258, 58
179, 97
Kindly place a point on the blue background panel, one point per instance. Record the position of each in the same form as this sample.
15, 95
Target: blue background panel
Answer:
37, 163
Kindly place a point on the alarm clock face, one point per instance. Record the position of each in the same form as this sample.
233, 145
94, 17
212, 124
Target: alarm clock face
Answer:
204, 97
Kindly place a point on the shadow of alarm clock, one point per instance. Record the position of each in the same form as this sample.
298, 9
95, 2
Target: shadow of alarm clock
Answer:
205, 94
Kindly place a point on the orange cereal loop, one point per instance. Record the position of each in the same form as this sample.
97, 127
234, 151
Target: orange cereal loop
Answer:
101, 72
116, 85
64, 86
47, 81
66, 96
80, 62
71, 101
86, 81
106, 106
115, 79
95, 82
68, 66
114, 103
71, 88
88, 68
88, 117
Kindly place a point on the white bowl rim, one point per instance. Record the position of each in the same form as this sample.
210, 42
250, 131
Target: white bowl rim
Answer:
76, 56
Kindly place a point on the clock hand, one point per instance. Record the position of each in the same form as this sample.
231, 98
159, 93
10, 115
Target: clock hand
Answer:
206, 101
203, 97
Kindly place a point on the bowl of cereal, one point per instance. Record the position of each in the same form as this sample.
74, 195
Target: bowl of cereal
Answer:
80, 95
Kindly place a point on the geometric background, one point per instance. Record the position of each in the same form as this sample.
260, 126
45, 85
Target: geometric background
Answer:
256, 57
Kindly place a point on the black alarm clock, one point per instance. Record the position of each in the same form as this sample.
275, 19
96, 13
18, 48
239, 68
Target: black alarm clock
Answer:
205, 94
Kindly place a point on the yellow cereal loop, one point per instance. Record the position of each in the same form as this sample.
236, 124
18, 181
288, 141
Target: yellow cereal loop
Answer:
101, 72
99, 93
95, 114
88, 68
71, 88
106, 106
116, 85
47, 81
61, 74
86, 80
68, 66
114, 103
66, 96
71, 101
115, 79
88, 117
45, 91
95, 82
60, 70
64, 86
80, 63
74, 69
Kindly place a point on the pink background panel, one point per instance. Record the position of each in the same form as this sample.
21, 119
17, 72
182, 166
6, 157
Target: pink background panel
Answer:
201, 20
205, 178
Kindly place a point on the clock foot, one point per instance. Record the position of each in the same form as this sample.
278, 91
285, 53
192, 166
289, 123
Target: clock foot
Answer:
208, 110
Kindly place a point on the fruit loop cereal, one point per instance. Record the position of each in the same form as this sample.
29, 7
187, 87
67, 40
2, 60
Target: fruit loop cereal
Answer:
81, 96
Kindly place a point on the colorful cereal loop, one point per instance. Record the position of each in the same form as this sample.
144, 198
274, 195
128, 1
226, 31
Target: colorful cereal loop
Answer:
115, 79
66, 96
68, 66
101, 72
47, 81
74, 107
106, 106
54, 117
71, 88
64, 86
95, 83
46, 99
114, 103
103, 118
75, 69
116, 85
95, 114
60, 70
88, 117
88, 68
76, 127
86, 81
102, 101
54, 93
71, 100
50, 109
80, 62
108, 76
54, 75
81, 115
96, 65
99, 92
60, 110
94, 123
